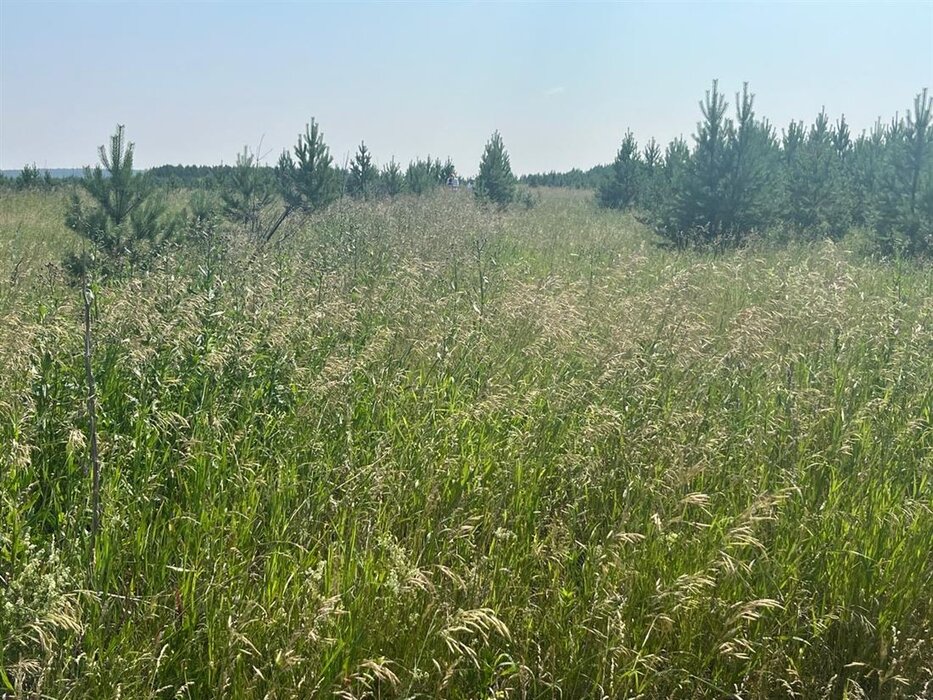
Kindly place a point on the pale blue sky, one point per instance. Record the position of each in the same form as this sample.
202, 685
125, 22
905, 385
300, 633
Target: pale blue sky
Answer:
194, 82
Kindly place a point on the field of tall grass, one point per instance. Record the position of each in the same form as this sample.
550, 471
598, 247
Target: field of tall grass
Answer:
421, 449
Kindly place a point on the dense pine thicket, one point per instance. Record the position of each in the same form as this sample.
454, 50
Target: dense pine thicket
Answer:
741, 177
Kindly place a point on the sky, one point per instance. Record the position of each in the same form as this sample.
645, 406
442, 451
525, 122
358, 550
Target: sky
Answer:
194, 82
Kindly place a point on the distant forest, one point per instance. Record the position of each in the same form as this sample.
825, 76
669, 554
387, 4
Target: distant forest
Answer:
205, 175
576, 179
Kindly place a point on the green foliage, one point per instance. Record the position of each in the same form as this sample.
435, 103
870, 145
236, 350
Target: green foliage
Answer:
842, 141
203, 208
308, 182
905, 222
723, 190
445, 171
702, 202
495, 182
417, 178
652, 188
173, 177
752, 176
676, 162
363, 174
248, 194
421, 176
622, 187
818, 202
653, 156
866, 168
124, 221
576, 178
526, 198
391, 180
739, 179
29, 178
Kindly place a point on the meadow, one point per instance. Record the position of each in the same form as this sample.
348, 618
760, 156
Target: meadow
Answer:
422, 448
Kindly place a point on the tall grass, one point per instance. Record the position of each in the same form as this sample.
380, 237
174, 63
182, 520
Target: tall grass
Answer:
33, 238
349, 468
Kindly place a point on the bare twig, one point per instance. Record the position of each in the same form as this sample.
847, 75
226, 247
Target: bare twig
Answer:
92, 416
481, 245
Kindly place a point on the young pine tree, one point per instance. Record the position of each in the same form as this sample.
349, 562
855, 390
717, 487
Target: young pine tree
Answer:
905, 222
817, 202
621, 189
248, 194
792, 140
752, 161
447, 171
841, 138
28, 177
652, 188
726, 188
391, 179
124, 221
495, 182
662, 207
434, 169
676, 162
867, 164
308, 181
699, 189
706, 185
363, 174
653, 156
419, 177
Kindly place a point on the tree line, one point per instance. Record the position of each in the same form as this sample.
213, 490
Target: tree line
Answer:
739, 177
29, 178
420, 176
123, 214
575, 179
360, 176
